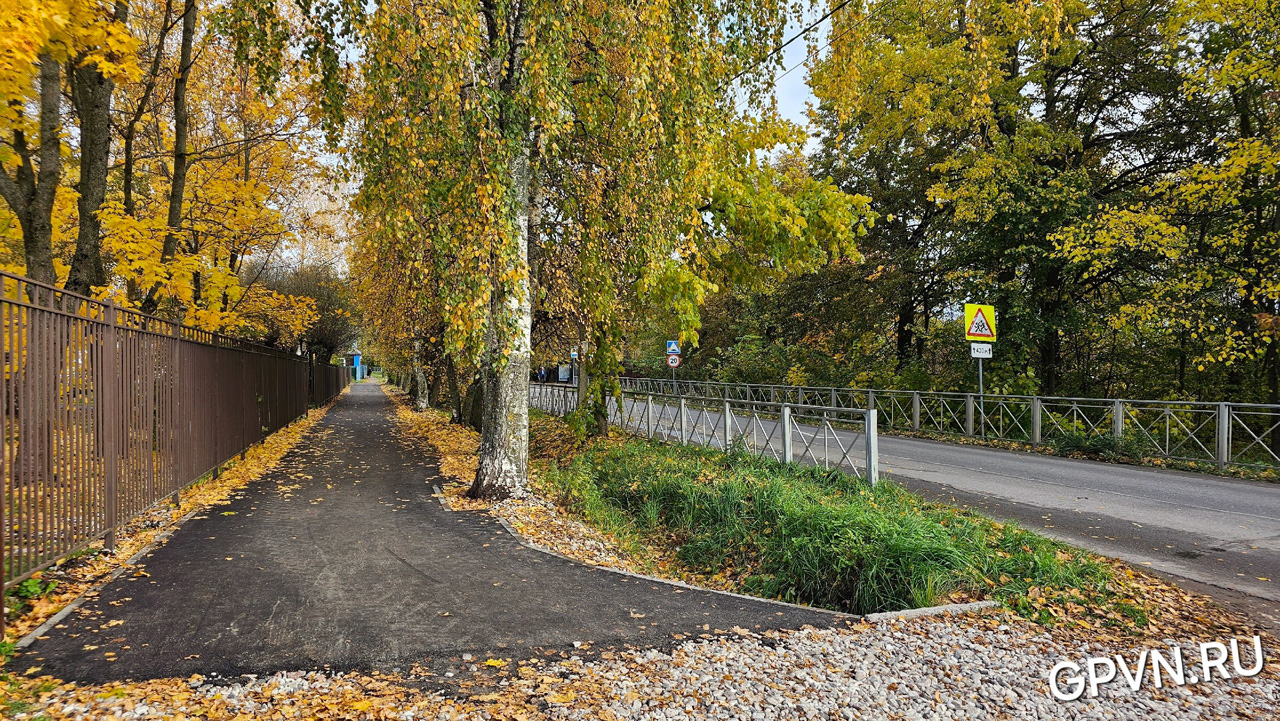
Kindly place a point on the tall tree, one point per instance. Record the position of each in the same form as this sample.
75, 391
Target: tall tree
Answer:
462, 105
181, 121
92, 87
1032, 115
1197, 262
31, 187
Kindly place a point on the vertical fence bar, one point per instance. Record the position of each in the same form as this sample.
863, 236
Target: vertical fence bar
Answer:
684, 428
110, 422
1223, 455
915, 410
648, 414
968, 414
1035, 420
872, 436
728, 426
786, 433
1117, 421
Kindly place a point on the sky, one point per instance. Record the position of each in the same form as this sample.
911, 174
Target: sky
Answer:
792, 91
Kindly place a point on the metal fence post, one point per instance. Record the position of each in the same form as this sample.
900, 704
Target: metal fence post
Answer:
684, 422
1224, 435
915, 410
648, 413
873, 447
728, 426
871, 400
968, 414
110, 410
786, 433
1035, 420
1117, 421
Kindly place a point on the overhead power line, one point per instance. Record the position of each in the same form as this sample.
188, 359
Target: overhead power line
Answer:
779, 48
826, 44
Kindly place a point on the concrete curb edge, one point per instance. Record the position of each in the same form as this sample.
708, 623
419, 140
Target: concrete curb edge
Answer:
950, 609
57, 618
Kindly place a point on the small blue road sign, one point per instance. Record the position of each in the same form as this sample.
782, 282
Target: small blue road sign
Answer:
673, 347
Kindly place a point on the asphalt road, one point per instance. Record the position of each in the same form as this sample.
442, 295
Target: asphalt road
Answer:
1221, 534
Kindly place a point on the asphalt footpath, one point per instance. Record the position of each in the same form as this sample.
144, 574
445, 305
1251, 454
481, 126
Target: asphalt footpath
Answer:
340, 558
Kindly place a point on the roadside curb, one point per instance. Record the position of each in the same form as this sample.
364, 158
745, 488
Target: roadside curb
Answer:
128, 565
951, 609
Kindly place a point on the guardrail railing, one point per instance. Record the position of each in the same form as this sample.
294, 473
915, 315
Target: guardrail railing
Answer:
816, 434
1240, 434
108, 411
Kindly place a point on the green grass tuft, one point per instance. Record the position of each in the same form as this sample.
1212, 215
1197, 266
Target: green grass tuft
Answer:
814, 536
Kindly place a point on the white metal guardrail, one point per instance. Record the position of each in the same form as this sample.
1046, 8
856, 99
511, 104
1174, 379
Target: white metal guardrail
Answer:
1243, 434
815, 434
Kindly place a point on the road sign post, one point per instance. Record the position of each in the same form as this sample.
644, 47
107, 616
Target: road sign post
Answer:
980, 325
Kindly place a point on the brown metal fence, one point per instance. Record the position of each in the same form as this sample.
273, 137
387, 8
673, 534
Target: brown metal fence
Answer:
328, 381
108, 411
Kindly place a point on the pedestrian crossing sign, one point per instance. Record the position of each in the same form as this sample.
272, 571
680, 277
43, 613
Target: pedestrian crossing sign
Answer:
673, 347
979, 322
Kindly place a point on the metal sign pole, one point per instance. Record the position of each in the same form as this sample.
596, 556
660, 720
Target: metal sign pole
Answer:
982, 408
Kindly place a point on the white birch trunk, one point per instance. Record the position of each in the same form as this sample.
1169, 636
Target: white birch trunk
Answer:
422, 396
504, 434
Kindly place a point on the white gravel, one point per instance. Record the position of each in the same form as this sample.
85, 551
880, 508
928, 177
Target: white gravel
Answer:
931, 669
936, 669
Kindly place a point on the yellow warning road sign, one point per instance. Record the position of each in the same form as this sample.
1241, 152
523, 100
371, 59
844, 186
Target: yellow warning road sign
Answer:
979, 322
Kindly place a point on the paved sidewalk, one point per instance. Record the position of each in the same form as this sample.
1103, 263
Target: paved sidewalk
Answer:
340, 558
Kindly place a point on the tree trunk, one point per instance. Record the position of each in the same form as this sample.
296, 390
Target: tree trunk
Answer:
181, 117
473, 406
31, 191
580, 368
455, 399
600, 412
905, 331
1273, 387
504, 434
131, 130
421, 385
91, 93
411, 386
433, 389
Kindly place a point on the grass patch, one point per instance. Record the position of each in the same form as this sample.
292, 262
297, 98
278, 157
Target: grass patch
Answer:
807, 535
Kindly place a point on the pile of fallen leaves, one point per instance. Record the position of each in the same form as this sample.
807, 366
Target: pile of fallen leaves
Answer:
81, 571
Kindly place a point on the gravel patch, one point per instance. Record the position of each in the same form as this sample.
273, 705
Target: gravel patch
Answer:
934, 670
937, 669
